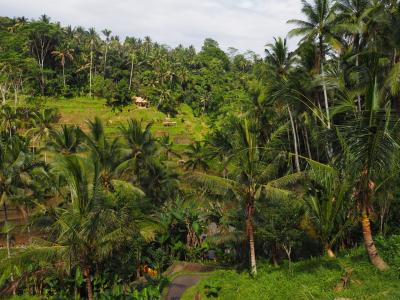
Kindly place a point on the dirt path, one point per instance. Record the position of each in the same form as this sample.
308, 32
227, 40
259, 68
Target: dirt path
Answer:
180, 284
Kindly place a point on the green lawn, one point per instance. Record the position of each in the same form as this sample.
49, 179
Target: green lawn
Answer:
311, 279
79, 110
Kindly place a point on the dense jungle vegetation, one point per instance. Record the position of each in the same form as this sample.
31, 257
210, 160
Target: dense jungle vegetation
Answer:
287, 162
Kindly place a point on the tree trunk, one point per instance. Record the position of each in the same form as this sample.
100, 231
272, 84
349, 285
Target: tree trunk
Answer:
90, 70
105, 61
8, 240
250, 237
89, 288
329, 251
63, 69
325, 96
131, 74
296, 153
376, 260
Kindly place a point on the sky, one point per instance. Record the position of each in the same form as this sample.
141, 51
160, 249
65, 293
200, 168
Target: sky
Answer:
241, 24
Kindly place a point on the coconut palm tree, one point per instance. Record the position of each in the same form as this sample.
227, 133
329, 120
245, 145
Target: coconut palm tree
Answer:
65, 141
197, 157
42, 125
108, 154
63, 54
91, 224
107, 34
329, 201
254, 173
320, 16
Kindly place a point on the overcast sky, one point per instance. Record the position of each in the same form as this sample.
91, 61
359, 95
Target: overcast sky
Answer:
242, 24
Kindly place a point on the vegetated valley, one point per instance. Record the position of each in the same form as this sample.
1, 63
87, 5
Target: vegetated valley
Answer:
127, 166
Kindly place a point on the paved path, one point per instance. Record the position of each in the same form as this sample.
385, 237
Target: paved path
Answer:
180, 284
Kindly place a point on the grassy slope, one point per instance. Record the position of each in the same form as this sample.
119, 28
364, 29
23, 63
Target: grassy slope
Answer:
79, 110
310, 279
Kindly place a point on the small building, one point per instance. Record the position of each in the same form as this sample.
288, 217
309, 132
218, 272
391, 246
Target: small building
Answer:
140, 102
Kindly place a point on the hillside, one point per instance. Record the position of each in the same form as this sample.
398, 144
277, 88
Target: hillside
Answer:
78, 111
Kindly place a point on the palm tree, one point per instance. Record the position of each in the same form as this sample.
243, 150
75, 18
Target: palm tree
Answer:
139, 140
352, 20
15, 165
63, 54
107, 34
369, 143
167, 144
254, 175
92, 41
320, 16
281, 61
65, 141
329, 203
42, 125
107, 154
197, 155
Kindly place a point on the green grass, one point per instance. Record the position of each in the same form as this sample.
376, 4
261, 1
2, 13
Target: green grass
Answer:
79, 110
310, 279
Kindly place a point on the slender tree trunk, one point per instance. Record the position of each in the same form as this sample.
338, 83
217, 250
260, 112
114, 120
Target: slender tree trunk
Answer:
63, 70
325, 96
131, 74
8, 240
296, 153
89, 288
250, 237
358, 95
376, 260
105, 60
90, 70
307, 143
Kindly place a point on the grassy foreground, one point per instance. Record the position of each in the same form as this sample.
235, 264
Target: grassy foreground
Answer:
318, 278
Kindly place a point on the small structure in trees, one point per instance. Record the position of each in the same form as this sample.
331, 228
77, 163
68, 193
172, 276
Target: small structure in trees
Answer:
167, 122
140, 102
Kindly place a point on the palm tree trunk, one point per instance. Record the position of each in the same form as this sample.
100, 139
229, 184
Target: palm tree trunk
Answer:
325, 96
8, 240
376, 260
329, 251
358, 95
307, 143
63, 69
90, 70
131, 74
105, 60
250, 237
296, 153
89, 288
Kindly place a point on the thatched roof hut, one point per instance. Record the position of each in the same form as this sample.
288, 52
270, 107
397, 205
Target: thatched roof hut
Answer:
140, 102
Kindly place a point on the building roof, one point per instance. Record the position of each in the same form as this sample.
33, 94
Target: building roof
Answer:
139, 100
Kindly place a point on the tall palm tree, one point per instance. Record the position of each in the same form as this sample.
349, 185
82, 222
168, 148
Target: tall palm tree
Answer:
254, 175
369, 143
107, 34
63, 54
320, 16
281, 61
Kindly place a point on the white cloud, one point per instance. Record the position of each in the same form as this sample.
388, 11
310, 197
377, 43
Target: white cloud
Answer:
243, 24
